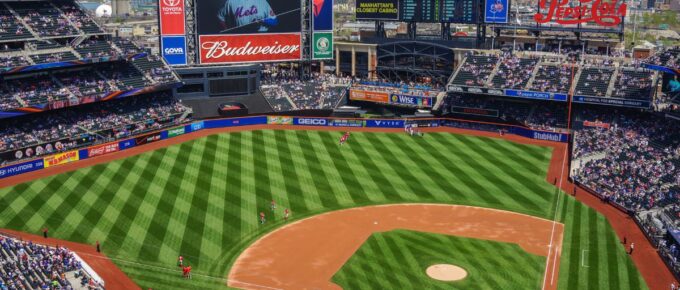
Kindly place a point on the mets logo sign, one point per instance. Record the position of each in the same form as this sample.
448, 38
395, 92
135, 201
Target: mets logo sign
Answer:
610, 13
171, 3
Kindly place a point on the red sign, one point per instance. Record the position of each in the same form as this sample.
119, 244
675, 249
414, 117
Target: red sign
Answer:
604, 14
361, 95
172, 17
597, 124
102, 149
250, 48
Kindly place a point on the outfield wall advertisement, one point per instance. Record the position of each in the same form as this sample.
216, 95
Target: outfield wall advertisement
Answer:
109, 148
248, 31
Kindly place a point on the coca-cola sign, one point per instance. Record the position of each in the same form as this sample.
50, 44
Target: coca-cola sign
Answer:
608, 14
250, 48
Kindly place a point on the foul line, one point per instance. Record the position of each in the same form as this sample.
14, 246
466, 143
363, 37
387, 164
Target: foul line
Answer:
552, 233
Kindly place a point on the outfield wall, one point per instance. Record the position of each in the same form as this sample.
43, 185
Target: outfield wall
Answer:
108, 148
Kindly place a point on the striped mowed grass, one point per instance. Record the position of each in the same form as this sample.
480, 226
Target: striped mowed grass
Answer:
201, 199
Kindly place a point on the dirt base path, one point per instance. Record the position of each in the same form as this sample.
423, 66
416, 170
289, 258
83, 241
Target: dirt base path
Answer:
306, 254
113, 277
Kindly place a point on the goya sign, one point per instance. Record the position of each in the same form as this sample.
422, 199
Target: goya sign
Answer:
608, 13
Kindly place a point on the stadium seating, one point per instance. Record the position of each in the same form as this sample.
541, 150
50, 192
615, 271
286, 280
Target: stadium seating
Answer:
594, 81
476, 70
11, 27
97, 122
285, 91
513, 72
79, 19
26, 265
637, 160
633, 83
553, 78
43, 18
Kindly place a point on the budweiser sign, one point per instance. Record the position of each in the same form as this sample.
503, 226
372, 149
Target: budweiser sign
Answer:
250, 48
609, 13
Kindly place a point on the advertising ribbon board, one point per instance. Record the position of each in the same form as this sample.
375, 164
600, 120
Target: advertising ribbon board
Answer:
61, 158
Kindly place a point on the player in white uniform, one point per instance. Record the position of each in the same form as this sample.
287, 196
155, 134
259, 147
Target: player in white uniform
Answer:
244, 14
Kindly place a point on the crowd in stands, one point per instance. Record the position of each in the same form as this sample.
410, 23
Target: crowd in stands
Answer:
406, 88
668, 57
476, 70
26, 265
545, 116
553, 78
514, 71
633, 83
285, 90
641, 164
105, 121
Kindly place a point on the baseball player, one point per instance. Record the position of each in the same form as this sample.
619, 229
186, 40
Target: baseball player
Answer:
247, 15
286, 214
273, 205
344, 138
262, 220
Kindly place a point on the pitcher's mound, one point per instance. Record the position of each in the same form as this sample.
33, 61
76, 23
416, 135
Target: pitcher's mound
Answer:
446, 272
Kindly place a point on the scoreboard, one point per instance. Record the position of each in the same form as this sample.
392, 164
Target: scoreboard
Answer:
459, 11
433, 11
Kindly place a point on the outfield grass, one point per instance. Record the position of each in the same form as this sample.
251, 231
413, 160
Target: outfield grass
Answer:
200, 199
398, 260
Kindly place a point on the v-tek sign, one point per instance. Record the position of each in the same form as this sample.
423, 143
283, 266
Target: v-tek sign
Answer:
604, 14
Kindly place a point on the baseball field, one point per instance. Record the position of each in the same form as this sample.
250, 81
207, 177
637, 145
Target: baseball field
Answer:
201, 199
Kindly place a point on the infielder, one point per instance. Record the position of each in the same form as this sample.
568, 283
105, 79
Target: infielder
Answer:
242, 13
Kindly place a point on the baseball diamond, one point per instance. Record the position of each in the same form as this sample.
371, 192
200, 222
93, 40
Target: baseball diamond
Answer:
200, 198
339, 144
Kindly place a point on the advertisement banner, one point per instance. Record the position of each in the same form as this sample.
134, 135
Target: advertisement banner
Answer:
174, 49
102, 149
126, 144
536, 95
171, 13
360, 95
540, 135
221, 49
323, 45
310, 122
385, 123
176, 132
475, 111
194, 127
397, 99
279, 120
346, 123
612, 102
377, 9
38, 150
21, 168
496, 11
149, 138
596, 124
61, 158
262, 120
323, 15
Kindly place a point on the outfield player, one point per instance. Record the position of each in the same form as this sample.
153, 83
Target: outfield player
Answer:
273, 205
248, 16
286, 214
344, 138
262, 219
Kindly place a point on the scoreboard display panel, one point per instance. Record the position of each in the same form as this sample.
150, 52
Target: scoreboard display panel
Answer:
433, 11
459, 11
